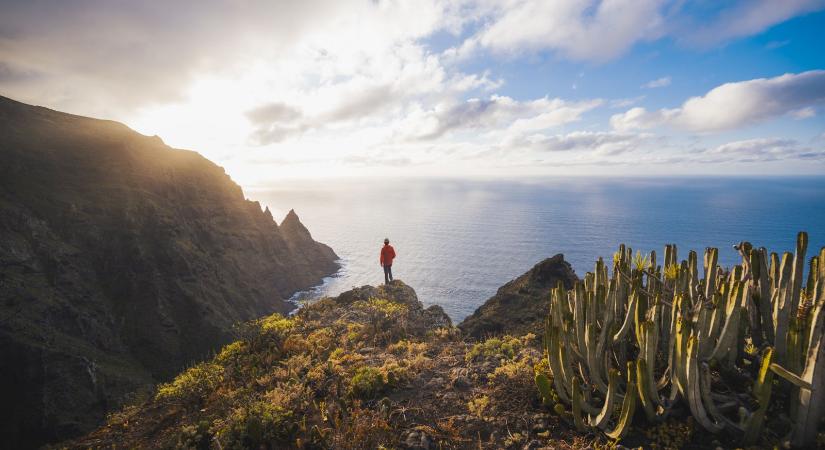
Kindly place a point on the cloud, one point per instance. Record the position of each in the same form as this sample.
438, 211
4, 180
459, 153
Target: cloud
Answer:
598, 143
740, 19
760, 150
495, 112
274, 112
733, 105
773, 45
602, 30
364, 83
380, 91
657, 83
90, 55
585, 30
625, 102
803, 113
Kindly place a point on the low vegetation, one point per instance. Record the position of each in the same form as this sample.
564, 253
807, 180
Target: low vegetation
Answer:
652, 356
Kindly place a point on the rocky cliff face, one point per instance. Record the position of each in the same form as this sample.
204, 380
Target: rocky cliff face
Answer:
121, 261
520, 306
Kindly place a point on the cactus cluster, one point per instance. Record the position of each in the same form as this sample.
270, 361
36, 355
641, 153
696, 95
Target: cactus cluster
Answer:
668, 338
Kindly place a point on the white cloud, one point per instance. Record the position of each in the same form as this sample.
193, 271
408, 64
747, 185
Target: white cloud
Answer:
597, 143
107, 58
497, 112
587, 30
657, 83
734, 105
601, 30
760, 150
803, 113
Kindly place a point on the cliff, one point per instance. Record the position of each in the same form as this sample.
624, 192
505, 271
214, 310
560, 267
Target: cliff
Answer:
122, 260
520, 306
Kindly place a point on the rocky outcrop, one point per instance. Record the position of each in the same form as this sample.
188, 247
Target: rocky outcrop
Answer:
122, 260
520, 306
420, 320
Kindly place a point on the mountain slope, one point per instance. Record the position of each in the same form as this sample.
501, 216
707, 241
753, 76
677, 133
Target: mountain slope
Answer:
121, 261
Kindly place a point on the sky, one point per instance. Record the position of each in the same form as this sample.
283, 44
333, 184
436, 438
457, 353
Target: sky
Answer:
275, 90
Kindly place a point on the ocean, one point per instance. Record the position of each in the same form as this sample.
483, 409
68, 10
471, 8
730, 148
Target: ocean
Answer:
459, 240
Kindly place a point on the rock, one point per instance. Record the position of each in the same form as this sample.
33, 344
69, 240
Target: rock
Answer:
532, 445
134, 260
450, 397
520, 306
461, 383
420, 320
418, 440
434, 383
437, 317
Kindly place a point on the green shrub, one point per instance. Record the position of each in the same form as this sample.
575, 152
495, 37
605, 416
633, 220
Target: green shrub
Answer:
367, 382
502, 348
231, 353
193, 385
262, 424
196, 437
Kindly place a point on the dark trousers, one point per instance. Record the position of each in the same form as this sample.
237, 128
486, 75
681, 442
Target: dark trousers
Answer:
387, 274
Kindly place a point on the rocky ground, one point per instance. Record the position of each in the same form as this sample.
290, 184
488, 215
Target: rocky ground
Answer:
373, 369
367, 369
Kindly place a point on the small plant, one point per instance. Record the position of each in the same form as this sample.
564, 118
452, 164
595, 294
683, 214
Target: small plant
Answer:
641, 261
501, 348
261, 424
193, 385
672, 272
477, 405
670, 435
197, 437
367, 382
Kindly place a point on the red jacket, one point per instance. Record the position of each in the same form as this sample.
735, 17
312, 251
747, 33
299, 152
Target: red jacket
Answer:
387, 255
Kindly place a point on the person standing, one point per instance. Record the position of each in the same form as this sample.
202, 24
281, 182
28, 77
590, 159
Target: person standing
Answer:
387, 255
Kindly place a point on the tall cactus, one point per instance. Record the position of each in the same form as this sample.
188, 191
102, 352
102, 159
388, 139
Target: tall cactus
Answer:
661, 335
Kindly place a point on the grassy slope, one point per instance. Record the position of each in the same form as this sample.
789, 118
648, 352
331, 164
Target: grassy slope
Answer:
368, 369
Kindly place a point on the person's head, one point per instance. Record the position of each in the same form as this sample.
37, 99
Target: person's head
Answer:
386, 241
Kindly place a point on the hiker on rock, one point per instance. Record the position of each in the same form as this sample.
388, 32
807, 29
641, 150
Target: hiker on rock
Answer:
387, 255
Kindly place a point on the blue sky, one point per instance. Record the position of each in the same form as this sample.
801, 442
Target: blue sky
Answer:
467, 88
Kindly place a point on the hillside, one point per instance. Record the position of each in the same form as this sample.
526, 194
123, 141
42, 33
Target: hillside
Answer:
368, 368
121, 261
372, 369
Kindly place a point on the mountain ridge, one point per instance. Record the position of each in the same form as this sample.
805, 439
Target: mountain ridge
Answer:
121, 261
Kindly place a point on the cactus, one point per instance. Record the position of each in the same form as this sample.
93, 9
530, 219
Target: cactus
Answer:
662, 335
762, 392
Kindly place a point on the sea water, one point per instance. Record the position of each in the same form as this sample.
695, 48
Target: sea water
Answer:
457, 241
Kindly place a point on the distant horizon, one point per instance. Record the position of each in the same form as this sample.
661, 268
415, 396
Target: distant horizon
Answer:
458, 241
